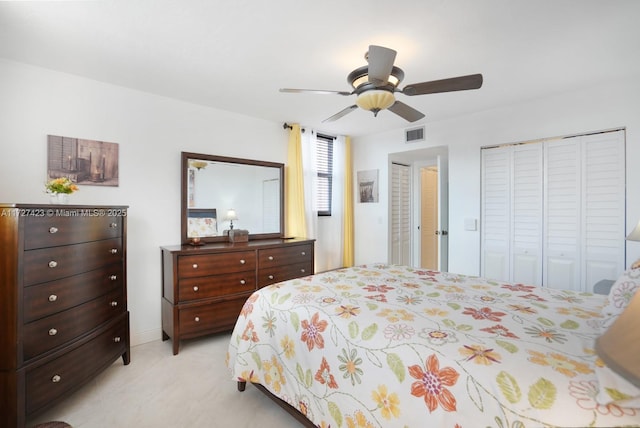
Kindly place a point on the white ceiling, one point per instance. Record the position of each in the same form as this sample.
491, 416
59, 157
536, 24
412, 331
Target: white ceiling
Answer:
235, 55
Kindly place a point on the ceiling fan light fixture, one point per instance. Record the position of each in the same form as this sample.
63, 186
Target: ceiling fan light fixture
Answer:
375, 100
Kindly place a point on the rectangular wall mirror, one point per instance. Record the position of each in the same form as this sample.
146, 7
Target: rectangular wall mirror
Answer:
220, 193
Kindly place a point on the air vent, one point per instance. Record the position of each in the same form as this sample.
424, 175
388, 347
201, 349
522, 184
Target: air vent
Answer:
414, 135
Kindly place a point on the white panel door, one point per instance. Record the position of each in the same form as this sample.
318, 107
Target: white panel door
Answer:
527, 213
496, 213
563, 214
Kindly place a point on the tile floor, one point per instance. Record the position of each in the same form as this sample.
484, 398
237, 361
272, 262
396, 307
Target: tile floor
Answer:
158, 389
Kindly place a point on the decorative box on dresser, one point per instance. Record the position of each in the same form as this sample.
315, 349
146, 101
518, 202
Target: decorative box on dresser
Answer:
204, 287
63, 306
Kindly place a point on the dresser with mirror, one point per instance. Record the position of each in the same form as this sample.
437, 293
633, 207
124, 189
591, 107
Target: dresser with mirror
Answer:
208, 276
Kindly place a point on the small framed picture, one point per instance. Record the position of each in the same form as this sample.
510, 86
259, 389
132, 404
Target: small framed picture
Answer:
368, 186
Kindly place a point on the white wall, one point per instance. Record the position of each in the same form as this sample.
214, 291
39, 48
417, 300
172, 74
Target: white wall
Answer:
151, 132
597, 108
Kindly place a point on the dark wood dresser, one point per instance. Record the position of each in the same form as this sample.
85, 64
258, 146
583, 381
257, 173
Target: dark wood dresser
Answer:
205, 287
63, 306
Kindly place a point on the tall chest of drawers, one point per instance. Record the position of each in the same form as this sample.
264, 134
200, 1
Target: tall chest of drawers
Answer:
63, 306
204, 288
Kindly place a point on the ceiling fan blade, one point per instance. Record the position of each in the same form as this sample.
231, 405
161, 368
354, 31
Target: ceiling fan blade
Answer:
462, 83
380, 64
341, 113
313, 91
404, 111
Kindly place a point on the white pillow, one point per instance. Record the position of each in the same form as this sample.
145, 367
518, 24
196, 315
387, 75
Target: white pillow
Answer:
613, 388
621, 293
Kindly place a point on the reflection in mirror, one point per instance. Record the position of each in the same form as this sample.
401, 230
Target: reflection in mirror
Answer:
215, 186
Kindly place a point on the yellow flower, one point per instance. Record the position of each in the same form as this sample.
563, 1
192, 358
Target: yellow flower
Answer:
358, 420
273, 374
559, 363
396, 315
435, 312
347, 311
480, 355
389, 404
60, 185
289, 347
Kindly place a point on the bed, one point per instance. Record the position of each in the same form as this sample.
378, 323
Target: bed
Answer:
393, 346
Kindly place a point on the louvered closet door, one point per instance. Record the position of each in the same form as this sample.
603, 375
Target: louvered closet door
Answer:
584, 210
527, 213
562, 192
400, 214
512, 213
603, 206
496, 213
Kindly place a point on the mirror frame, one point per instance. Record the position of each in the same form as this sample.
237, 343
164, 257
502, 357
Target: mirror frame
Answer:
185, 156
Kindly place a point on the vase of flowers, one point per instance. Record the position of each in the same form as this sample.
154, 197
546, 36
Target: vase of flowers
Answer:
59, 190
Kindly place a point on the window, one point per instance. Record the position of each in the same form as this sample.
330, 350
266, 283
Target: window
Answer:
324, 154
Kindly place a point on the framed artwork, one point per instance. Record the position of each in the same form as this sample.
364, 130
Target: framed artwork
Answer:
85, 162
368, 186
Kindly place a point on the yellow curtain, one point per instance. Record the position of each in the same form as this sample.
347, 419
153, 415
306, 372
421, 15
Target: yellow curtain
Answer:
295, 223
348, 252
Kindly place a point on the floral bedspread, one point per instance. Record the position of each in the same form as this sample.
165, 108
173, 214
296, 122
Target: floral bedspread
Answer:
393, 346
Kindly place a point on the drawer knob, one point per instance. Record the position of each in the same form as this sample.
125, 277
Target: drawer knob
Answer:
243, 282
197, 319
302, 271
196, 288
270, 257
117, 339
195, 265
270, 276
303, 253
113, 303
242, 261
114, 251
53, 332
53, 229
113, 277
56, 379
53, 263
113, 225
53, 298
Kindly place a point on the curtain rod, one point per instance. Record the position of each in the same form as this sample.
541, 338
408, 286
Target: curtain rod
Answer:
286, 125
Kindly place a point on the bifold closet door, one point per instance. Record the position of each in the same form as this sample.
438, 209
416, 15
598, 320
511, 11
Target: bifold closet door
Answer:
553, 212
584, 210
512, 213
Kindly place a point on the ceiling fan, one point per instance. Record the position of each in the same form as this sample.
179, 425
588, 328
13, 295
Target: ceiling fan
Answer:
376, 83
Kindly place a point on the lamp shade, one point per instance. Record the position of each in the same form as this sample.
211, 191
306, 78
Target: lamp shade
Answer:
619, 346
375, 100
635, 234
231, 215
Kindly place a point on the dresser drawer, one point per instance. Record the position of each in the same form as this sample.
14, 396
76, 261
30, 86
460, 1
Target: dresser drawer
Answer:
275, 274
50, 381
49, 264
215, 264
199, 319
75, 226
48, 333
284, 255
216, 286
55, 296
